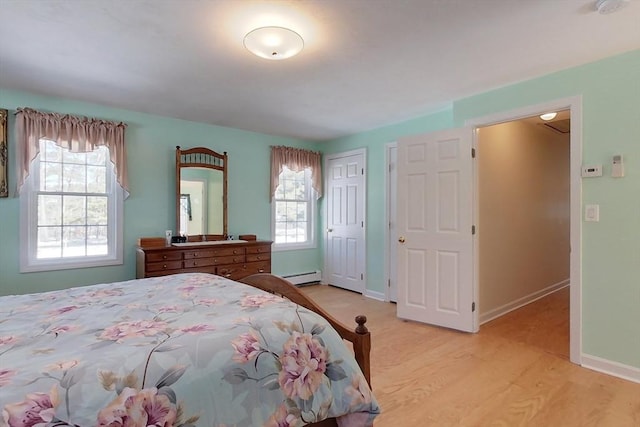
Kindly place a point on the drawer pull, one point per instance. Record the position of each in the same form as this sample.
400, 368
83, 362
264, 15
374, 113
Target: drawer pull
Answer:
164, 257
235, 252
164, 265
195, 254
227, 275
261, 270
258, 257
195, 263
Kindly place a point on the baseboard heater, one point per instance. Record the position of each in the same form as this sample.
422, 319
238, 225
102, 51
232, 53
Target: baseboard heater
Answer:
304, 278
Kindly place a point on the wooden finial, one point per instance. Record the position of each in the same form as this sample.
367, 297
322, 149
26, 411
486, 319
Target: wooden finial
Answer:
361, 320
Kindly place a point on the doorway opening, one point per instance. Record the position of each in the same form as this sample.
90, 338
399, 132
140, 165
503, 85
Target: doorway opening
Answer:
524, 223
573, 105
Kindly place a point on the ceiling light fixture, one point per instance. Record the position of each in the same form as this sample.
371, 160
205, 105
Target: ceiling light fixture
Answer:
548, 116
273, 43
605, 7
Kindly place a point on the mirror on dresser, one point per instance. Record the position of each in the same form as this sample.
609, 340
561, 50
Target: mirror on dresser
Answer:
201, 193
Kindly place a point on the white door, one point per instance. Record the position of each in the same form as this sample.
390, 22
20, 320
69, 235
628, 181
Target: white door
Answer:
392, 250
344, 253
435, 249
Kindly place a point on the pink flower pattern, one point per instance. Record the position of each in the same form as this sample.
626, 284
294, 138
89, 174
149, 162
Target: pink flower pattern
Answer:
257, 301
5, 376
304, 362
282, 418
155, 326
139, 328
246, 347
139, 408
36, 410
196, 329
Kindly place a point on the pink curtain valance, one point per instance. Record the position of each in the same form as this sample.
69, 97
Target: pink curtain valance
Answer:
76, 133
296, 159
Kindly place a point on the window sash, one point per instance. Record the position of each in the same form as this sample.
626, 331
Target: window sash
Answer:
35, 257
304, 206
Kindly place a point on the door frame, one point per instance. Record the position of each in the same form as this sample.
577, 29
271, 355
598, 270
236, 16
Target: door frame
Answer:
325, 263
574, 104
387, 214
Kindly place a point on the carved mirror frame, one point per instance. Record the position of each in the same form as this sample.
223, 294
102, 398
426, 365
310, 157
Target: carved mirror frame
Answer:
202, 157
4, 154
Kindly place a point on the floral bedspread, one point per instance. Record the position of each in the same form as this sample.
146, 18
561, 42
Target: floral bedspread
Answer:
183, 350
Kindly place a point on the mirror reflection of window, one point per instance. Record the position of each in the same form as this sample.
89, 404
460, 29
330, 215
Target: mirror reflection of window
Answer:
193, 211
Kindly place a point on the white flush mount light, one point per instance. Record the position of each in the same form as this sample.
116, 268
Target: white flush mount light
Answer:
548, 116
273, 43
605, 7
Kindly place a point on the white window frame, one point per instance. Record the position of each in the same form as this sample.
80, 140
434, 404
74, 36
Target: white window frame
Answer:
311, 198
29, 227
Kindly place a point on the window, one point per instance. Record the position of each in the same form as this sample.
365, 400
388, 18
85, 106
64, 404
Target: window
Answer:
294, 206
72, 210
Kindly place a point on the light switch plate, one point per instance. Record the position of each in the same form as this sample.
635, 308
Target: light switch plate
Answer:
589, 171
592, 213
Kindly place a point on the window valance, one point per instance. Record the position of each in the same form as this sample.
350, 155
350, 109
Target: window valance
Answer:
296, 159
78, 134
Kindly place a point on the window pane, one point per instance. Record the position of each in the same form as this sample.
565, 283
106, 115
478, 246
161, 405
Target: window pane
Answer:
49, 210
74, 210
50, 151
98, 157
49, 242
74, 178
74, 241
97, 240
97, 210
301, 214
281, 231
74, 158
96, 179
50, 176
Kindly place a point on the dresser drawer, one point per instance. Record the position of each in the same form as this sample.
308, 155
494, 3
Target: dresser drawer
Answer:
199, 262
261, 249
233, 272
258, 257
208, 253
164, 256
161, 266
257, 267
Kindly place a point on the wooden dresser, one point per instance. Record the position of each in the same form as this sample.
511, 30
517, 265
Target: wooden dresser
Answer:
230, 260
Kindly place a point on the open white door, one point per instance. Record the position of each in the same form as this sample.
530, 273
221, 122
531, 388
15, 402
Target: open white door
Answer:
435, 213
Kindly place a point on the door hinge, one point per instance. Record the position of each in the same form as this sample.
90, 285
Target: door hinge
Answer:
473, 229
361, 276
473, 153
389, 283
362, 224
362, 171
473, 307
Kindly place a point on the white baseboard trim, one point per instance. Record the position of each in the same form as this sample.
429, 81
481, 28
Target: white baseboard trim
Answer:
521, 302
374, 295
302, 278
609, 367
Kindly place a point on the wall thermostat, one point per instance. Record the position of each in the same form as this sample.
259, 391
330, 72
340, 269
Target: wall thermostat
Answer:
589, 171
617, 169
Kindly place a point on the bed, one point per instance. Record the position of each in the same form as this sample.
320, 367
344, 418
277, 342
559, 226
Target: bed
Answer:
184, 350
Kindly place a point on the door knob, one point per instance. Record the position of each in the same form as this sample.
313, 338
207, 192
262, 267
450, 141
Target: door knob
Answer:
401, 239
329, 230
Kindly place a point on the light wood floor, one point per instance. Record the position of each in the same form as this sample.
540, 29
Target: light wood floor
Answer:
515, 372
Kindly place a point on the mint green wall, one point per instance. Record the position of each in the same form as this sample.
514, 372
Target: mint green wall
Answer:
149, 210
610, 91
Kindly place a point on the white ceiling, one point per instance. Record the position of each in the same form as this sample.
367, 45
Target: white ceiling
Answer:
366, 63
